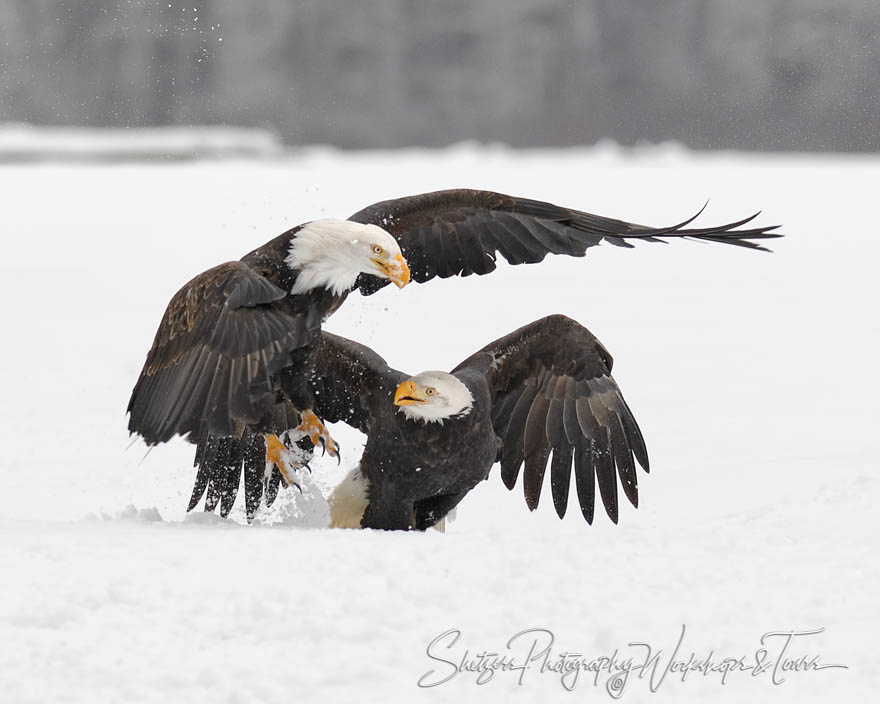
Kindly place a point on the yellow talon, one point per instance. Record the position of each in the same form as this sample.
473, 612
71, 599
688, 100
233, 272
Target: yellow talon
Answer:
312, 426
277, 455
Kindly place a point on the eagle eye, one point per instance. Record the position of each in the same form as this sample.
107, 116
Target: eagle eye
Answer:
377, 250
430, 391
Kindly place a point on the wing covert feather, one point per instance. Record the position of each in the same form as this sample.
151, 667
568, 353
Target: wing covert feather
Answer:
222, 337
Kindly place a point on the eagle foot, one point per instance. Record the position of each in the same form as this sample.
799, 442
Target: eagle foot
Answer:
312, 426
288, 459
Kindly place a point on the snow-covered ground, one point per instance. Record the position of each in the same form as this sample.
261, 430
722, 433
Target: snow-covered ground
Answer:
21, 143
753, 377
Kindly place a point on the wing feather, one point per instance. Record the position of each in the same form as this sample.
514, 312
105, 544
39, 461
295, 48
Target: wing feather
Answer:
459, 232
212, 496
254, 459
351, 381
227, 325
512, 448
553, 393
603, 464
536, 448
474, 256
560, 477
584, 475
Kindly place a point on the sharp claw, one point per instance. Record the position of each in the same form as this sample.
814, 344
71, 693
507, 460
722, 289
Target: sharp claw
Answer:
286, 461
312, 427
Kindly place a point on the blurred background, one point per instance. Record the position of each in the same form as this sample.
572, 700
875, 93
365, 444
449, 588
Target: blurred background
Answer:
775, 75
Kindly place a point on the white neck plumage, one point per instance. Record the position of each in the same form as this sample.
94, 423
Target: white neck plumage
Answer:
323, 255
450, 398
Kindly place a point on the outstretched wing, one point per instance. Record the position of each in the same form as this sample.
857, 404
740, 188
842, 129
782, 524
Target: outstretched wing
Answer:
460, 232
553, 392
349, 383
223, 336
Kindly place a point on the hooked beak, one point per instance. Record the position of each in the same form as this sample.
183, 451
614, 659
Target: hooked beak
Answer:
408, 394
397, 270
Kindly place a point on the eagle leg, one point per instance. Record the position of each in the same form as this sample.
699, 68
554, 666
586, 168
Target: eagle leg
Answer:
312, 426
287, 460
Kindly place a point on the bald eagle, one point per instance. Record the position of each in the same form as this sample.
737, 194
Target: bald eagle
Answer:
238, 335
432, 437
236, 345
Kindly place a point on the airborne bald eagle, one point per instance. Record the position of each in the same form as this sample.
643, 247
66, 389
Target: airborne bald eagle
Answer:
432, 437
240, 334
236, 344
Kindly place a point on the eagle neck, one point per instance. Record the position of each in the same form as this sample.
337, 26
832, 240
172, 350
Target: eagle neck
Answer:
319, 256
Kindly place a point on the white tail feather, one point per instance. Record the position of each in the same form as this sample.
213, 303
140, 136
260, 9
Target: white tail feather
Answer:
349, 501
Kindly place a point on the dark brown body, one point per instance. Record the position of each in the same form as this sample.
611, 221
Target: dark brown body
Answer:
417, 471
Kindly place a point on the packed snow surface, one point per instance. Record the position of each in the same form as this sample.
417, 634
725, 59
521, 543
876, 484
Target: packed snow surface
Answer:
753, 377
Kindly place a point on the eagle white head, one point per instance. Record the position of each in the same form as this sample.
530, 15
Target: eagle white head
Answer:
333, 253
433, 397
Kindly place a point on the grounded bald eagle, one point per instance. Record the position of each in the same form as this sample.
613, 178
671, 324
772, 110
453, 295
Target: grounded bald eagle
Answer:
236, 343
432, 437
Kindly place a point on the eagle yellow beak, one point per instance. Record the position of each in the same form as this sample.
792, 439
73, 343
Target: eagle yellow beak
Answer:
408, 394
397, 270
